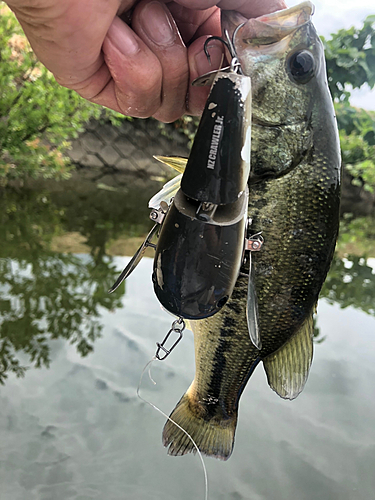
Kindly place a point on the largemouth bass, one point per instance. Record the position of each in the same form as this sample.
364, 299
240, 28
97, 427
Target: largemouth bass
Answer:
294, 202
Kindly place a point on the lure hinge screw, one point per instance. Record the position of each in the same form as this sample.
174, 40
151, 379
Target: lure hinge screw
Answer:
254, 243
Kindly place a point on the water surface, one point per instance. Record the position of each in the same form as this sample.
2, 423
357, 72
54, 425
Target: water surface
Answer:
73, 427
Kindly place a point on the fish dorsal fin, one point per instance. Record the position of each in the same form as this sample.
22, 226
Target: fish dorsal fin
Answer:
175, 162
288, 368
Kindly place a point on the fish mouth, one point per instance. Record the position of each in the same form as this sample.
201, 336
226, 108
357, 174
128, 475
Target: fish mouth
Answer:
266, 29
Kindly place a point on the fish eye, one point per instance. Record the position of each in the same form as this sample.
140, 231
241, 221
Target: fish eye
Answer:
301, 66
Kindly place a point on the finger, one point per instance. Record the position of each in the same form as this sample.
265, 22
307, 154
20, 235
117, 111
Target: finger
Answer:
253, 8
198, 4
189, 21
67, 36
249, 8
155, 25
211, 26
134, 85
199, 65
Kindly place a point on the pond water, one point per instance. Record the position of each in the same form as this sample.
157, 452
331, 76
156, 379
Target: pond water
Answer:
73, 428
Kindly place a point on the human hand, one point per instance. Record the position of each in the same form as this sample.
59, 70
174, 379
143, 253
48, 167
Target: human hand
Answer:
143, 70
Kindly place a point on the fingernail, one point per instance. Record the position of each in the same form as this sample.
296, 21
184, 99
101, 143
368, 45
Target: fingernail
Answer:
157, 24
202, 63
123, 38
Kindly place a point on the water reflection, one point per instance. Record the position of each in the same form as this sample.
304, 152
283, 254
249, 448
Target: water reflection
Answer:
47, 294
46, 297
78, 431
351, 282
56, 267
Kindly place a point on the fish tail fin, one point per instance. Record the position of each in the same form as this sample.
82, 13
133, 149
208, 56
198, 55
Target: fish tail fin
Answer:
212, 431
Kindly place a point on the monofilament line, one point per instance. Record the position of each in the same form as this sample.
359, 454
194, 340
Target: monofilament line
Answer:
148, 365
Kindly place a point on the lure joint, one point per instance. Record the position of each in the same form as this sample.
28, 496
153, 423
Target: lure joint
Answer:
157, 214
254, 243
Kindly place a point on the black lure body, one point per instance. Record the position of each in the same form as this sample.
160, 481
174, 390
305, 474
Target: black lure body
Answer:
201, 242
202, 235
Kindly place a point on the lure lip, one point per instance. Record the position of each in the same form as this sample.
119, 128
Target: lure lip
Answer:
135, 260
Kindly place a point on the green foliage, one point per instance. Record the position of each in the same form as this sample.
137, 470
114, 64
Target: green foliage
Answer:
188, 125
356, 120
47, 295
350, 57
37, 116
357, 236
357, 140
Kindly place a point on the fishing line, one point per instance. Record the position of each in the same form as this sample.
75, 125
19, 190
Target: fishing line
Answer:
148, 366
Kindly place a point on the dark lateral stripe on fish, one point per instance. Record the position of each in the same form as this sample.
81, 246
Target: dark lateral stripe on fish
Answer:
219, 369
229, 324
234, 306
219, 365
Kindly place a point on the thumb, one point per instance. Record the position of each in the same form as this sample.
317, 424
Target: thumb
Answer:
134, 87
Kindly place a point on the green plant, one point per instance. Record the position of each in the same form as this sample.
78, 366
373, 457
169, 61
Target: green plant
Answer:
350, 57
356, 236
357, 140
38, 117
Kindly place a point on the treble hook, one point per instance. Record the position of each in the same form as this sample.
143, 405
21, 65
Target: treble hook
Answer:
214, 37
235, 64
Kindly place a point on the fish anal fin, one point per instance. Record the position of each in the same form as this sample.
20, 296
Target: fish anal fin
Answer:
175, 162
288, 368
214, 436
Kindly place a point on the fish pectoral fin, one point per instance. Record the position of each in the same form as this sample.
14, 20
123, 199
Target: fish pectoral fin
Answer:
288, 368
175, 162
213, 435
252, 315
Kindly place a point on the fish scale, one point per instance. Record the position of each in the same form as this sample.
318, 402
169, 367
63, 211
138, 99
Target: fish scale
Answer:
291, 280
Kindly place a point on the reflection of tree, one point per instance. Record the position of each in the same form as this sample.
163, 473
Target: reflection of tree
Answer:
316, 333
350, 282
30, 219
53, 296
45, 295
102, 216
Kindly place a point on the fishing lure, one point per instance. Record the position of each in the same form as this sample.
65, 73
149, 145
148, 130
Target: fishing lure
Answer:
203, 227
